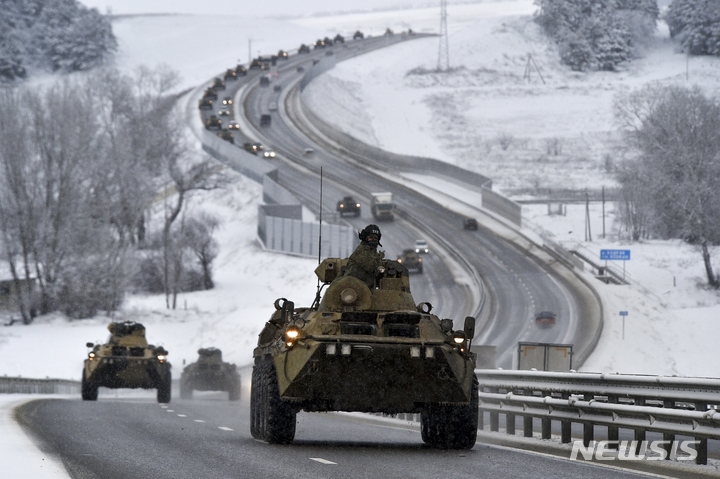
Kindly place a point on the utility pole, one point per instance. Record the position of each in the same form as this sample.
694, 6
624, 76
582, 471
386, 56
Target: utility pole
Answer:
249, 51
443, 50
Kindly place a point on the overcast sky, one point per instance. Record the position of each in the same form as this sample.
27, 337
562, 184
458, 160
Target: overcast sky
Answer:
254, 8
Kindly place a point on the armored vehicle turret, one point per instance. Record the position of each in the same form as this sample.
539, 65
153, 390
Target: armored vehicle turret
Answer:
367, 350
126, 361
210, 373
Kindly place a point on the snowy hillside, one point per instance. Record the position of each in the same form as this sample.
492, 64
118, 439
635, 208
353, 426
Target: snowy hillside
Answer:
458, 117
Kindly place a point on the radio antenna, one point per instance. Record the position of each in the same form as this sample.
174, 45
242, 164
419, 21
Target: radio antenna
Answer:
320, 232
316, 303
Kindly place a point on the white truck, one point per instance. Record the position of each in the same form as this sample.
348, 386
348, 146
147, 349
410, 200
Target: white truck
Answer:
382, 206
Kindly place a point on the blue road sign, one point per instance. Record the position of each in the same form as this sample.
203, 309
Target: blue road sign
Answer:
623, 313
615, 254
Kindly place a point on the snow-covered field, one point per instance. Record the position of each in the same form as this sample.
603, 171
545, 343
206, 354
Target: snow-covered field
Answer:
456, 117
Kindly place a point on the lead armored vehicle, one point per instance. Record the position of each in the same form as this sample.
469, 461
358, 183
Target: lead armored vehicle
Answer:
126, 361
358, 349
210, 373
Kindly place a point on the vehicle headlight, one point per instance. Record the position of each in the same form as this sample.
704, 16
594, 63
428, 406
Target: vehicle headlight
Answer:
161, 358
460, 340
292, 334
357, 205
91, 356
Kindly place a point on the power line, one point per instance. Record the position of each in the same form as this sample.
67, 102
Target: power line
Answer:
443, 51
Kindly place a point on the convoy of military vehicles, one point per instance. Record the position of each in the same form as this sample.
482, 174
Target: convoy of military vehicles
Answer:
354, 349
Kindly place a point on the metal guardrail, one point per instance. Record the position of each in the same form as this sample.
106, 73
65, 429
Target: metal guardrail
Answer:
668, 405
38, 386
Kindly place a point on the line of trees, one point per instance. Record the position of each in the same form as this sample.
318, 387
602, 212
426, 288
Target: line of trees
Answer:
670, 189
598, 34
52, 35
81, 165
696, 25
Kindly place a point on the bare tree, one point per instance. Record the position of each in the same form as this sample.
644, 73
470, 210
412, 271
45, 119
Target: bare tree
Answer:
199, 239
676, 132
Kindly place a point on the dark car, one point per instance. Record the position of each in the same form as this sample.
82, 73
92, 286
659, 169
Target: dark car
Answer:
277, 88
227, 100
265, 119
470, 224
348, 205
264, 81
545, 319
253, 148
300, 69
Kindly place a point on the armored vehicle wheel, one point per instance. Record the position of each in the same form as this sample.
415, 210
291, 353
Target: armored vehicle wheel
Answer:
163, 389
234, 391
451, 427
88, 389
186, 392
276, 416
256, 426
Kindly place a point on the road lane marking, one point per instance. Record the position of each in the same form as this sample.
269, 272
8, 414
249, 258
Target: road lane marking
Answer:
182, 415
321, 460
170, 410
198, 420
224, 428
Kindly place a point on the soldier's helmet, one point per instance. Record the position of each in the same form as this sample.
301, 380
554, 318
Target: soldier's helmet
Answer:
368, 233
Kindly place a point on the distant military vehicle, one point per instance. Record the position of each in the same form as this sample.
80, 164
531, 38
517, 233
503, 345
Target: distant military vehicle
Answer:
126, 361
411, 260
358, 35
205, 103
231, 74
303, 48
241, 70
226, 135
210, 93
218, 84
348, 205
282, 54
264, 81
358, 349
210, 373
339, 39
213, 123
256, 63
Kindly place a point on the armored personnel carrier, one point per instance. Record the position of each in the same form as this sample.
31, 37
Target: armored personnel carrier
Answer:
358, 349
348, 205
210, 373
411, 260
213, 122
126, 361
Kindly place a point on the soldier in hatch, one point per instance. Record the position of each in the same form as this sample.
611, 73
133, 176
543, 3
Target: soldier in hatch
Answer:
365, 260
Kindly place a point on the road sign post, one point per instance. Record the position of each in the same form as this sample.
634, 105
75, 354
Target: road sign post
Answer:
623, 314
615, 255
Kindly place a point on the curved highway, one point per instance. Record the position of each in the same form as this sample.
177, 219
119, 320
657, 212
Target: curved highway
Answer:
517, 283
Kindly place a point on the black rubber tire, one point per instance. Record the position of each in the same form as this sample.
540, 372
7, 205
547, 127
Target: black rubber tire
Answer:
186, 391
256, 427
451, 427
279, 418
164, 389
88, 389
